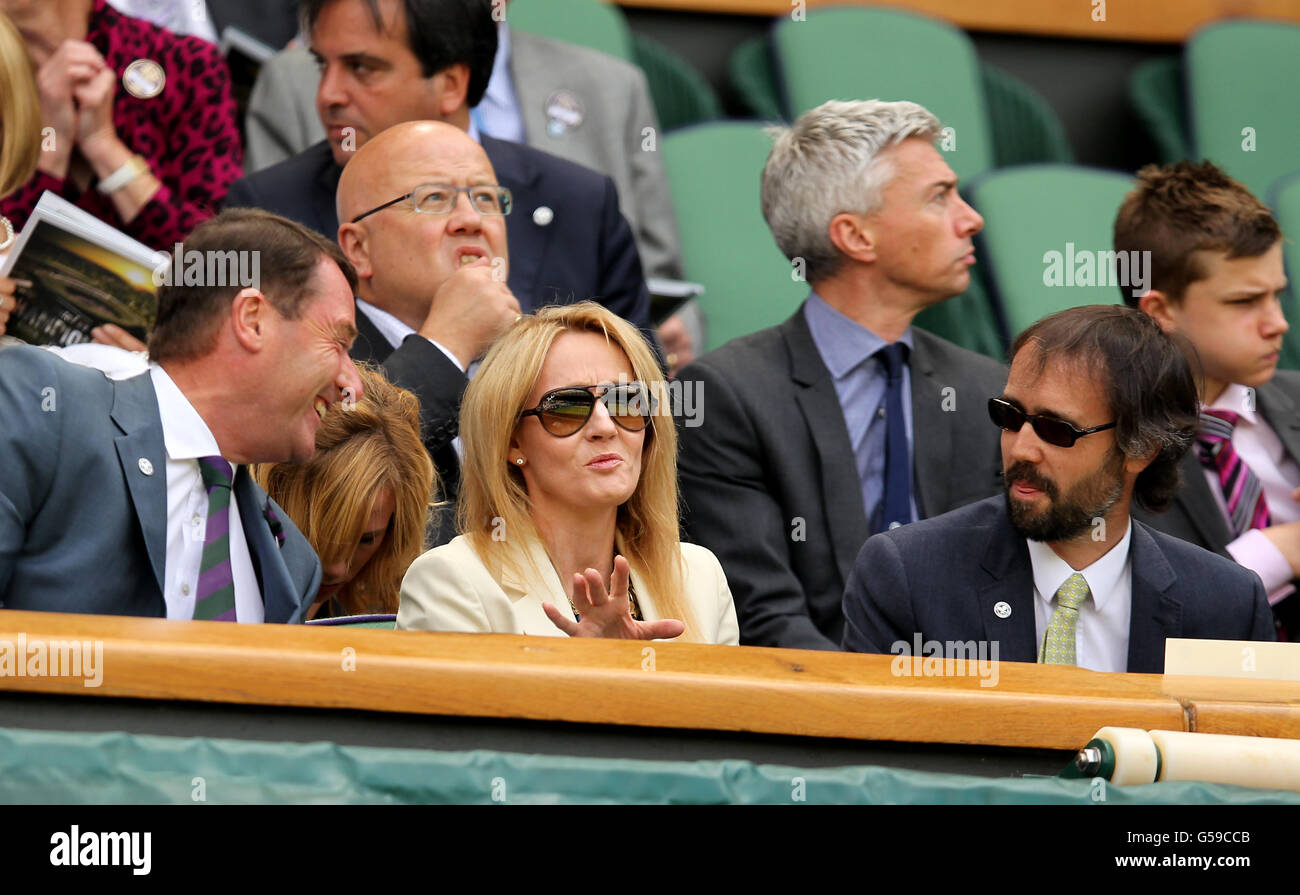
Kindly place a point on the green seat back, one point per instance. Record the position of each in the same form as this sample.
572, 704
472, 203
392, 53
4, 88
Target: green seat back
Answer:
1025, 127
749, 68
1039, 209
1242, 74
587, 23
863, 53
714, 171
680, 94
1156, 91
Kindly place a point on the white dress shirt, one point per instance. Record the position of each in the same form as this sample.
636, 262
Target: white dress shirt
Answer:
498, 112
1101, 635
187, 438
1259, 448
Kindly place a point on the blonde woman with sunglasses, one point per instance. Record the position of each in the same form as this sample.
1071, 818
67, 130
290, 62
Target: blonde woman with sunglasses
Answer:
568, 504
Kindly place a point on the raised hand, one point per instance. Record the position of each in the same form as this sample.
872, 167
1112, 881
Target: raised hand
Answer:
471, 308
607, 612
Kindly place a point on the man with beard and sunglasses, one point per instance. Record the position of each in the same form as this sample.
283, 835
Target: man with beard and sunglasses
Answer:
1098, 410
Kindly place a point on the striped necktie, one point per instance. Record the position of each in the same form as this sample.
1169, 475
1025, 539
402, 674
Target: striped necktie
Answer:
1247, 507
215, 599
1058, 641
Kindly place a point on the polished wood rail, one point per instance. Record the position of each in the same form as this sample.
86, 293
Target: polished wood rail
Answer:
666, 685
1155, 21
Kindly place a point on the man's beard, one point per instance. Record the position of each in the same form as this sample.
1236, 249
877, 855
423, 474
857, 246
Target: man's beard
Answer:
1066, 517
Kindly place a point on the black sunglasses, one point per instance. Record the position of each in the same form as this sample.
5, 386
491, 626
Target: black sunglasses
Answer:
564, 411
1006, 415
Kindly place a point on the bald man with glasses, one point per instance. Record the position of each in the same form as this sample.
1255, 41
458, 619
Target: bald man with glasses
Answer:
424, 224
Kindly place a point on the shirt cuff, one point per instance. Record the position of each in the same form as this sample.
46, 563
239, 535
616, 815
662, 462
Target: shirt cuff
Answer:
451, 357
1256, 552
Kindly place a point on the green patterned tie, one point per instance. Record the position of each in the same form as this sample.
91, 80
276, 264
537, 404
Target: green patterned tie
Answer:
1058, 643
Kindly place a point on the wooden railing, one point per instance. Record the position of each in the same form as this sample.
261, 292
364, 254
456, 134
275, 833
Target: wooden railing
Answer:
1157, 21
670, 685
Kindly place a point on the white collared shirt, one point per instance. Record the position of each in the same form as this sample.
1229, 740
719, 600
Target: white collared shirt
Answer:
1260, 449
1101, 636
187, 438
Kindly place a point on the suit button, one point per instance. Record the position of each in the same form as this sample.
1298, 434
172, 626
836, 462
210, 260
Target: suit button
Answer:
145, 466
542, 215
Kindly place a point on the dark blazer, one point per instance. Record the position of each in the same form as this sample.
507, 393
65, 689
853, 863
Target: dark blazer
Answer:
83, 498
770, 482
942, 577
418, 366
1195, 515
585, 251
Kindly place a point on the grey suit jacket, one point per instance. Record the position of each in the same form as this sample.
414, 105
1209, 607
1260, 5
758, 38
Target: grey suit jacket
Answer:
771, 486
611, 138
83, 498
941, 578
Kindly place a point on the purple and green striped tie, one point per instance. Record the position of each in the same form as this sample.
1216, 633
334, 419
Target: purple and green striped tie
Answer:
215, 598
1242, 492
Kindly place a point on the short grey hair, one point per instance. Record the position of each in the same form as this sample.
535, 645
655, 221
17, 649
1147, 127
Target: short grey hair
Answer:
827, 163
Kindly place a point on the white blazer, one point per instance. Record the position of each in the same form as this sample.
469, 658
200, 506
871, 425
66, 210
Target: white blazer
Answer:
450, 589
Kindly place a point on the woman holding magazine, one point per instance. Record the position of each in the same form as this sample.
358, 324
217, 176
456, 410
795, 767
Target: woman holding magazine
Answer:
137, 124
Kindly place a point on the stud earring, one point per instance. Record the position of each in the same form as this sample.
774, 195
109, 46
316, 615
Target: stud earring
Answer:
520, 461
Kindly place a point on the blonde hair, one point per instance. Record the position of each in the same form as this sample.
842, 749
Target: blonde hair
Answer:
492, 490
360, 450
20, 111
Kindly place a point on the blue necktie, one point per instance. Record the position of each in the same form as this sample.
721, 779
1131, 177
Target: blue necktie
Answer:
897, 503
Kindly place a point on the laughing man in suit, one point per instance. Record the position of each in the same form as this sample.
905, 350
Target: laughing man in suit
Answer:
844, 420
1099, 408
119, 497
384, 62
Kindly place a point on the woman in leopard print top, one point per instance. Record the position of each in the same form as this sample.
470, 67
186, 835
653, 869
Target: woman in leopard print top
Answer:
92, 126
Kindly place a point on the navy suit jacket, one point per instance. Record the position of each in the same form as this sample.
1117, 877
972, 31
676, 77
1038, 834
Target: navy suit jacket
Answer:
942, 577
585, 250
83, 498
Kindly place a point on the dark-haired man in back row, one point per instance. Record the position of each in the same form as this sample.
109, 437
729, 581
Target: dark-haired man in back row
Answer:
1099, 408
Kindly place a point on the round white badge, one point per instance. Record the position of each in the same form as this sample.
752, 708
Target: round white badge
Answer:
1002, 610
542, 215
145, 466
144, 79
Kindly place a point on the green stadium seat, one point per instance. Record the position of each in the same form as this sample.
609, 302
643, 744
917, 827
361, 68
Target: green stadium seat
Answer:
1036, 209
753, 77
714, 171
1155, 89
863, 53
1241, 75
680, 94
1025, 128
588, 23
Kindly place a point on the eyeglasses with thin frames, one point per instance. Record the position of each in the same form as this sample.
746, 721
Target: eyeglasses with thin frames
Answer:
441, 198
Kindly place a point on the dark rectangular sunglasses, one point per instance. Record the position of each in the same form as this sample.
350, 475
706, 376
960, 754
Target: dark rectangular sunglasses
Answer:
564, 411
1006, 415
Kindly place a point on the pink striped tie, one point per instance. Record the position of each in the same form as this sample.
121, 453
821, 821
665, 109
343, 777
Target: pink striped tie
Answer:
1247, 507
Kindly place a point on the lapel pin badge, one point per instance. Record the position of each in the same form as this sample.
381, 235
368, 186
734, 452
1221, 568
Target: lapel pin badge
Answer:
1001, 609
563, 113
144, 79
145, 466
542, 215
